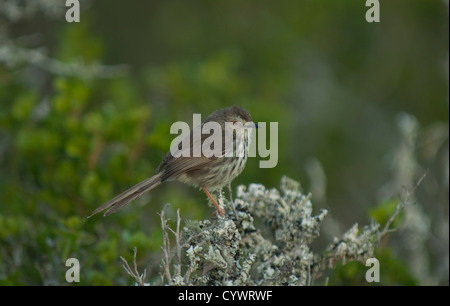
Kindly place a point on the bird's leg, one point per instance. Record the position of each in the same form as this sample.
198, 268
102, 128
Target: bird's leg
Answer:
220, 210
231, 199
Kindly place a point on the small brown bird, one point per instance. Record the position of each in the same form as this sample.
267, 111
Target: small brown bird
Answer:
211, 172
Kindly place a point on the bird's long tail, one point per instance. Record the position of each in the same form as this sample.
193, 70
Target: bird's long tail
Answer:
129, 195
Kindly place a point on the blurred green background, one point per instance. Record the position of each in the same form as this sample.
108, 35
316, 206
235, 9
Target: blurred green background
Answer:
85, 112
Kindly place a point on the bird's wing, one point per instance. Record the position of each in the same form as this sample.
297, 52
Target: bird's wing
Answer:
173, 166
179, 165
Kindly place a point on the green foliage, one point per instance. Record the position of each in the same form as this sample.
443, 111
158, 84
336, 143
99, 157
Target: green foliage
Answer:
393, 271
64, 152
350, 274
383, 211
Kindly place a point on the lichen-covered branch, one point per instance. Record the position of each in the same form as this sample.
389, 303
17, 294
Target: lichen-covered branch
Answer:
234, 251
15, 52
12, 55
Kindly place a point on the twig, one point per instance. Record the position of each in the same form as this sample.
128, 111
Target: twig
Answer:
402, 204
232, 201
177, 235
13, 55
140, 278
166, 245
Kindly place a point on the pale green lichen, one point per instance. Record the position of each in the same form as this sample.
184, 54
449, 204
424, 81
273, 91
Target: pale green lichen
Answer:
235, 251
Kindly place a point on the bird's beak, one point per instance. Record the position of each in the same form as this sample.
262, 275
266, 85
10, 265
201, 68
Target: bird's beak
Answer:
251, 125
